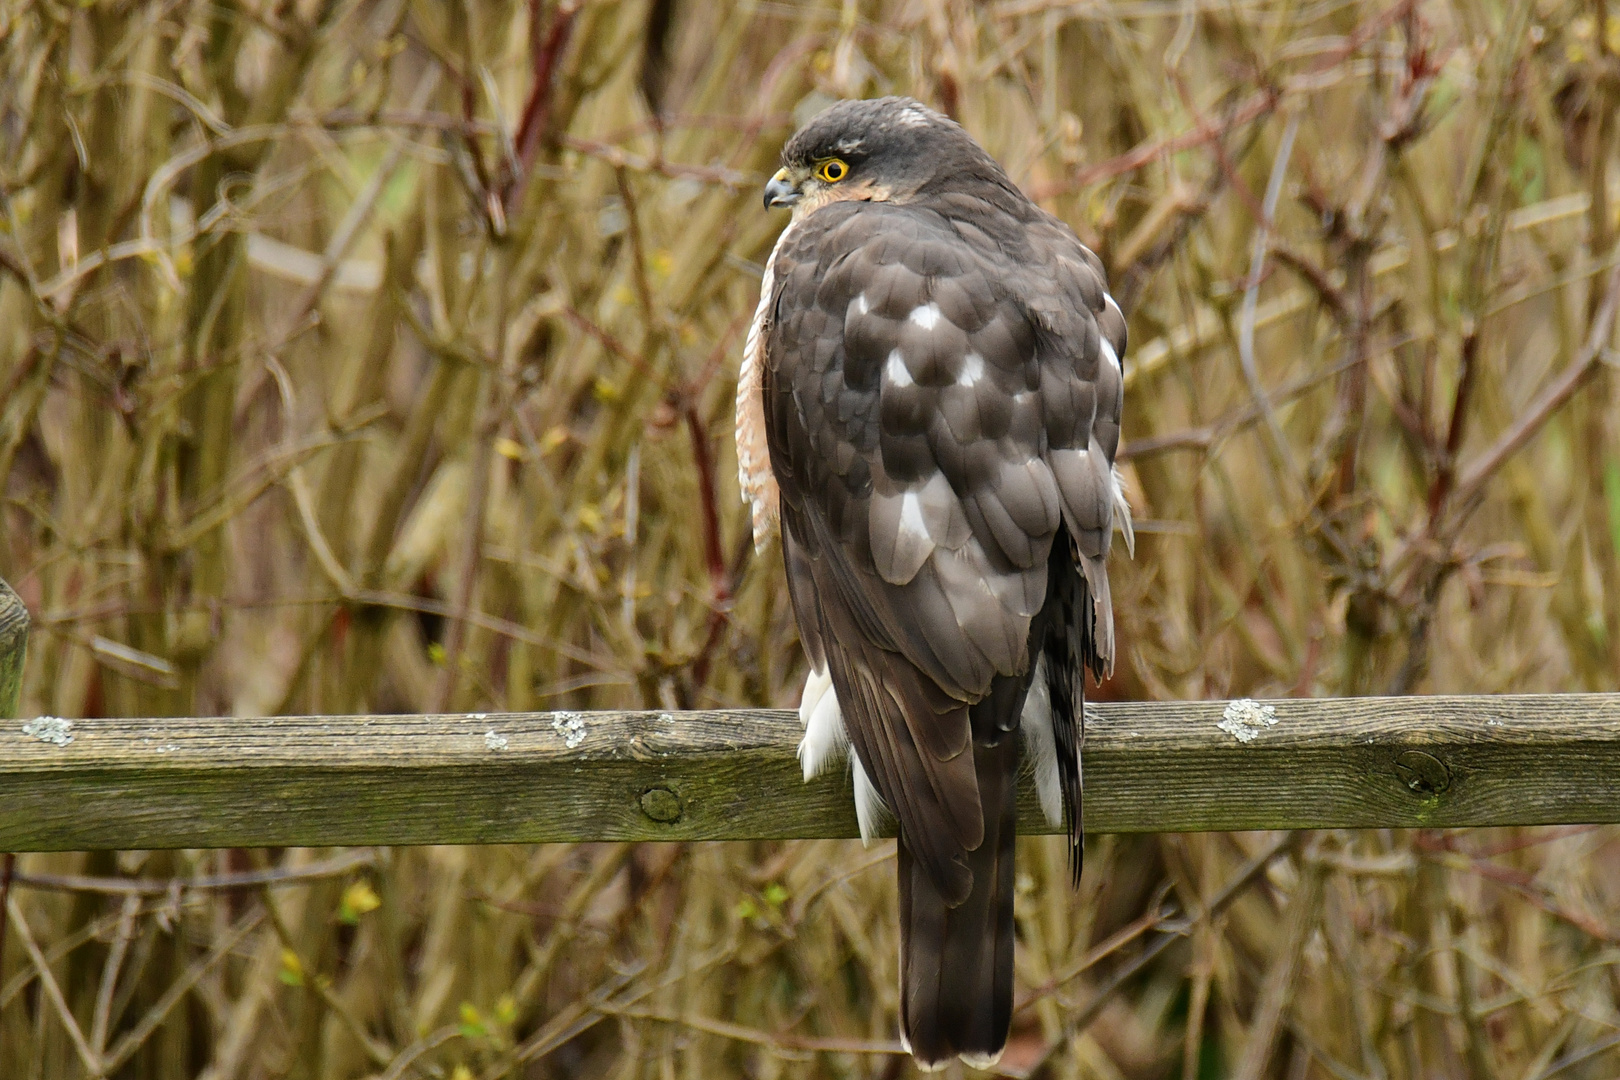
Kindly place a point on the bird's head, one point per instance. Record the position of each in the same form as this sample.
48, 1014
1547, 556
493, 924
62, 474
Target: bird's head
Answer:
879, 150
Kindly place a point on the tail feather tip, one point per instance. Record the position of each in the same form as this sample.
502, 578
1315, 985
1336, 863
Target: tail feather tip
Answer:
923, 1064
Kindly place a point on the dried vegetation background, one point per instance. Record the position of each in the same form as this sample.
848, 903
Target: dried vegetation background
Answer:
379, 355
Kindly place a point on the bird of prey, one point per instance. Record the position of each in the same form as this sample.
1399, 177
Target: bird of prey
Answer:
929, 407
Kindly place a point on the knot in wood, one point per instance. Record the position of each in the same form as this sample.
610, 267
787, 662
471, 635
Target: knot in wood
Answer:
661, 804
1423, 774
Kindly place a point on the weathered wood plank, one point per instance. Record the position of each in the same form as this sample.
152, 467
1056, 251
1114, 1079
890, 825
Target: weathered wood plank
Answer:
13, 649
500, 778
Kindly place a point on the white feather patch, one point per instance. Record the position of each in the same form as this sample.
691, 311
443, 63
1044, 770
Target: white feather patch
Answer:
826, 741
1041, 742
972, 370
911, 516
925, 315
895, 371
1122, 514
870, 810
825, 738
1112, 357
914, 116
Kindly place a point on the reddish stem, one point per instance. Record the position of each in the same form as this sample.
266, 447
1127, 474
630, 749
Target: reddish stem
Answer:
8, 866
1447, 472
712, 554
544, 52
713, 557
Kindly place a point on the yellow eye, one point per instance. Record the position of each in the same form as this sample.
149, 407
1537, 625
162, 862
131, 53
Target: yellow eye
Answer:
832, 170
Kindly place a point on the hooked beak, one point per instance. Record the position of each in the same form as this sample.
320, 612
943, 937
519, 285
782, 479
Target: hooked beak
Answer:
780, 192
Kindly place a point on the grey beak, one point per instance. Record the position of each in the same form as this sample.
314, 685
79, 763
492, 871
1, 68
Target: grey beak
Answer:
779, 192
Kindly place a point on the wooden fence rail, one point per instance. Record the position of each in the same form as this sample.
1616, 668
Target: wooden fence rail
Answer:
729, 775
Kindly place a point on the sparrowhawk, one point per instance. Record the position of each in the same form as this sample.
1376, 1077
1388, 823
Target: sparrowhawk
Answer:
929, 405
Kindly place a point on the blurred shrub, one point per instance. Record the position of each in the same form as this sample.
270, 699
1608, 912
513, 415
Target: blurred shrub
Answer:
379, 355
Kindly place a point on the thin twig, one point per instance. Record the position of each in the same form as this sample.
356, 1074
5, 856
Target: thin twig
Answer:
274, 878
1251, 299
1548, 402
92, 1061
380, 1054
8, 870
422, 1046
781, 1043
1276, 989
102, 1017
1170, 933
572, 1021
131, 1041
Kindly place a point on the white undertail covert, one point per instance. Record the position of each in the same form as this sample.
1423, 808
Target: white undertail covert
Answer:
826, 742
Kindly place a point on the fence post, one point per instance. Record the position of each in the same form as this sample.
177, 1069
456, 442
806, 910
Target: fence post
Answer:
13, 649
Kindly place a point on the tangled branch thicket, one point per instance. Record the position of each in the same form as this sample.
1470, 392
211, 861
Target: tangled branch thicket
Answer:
375, 355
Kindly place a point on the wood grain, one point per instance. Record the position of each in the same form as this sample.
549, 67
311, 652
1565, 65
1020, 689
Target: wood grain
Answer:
13, 649
504, 778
